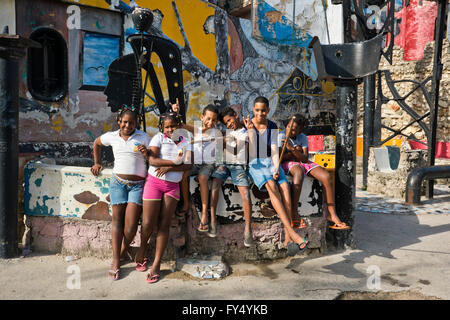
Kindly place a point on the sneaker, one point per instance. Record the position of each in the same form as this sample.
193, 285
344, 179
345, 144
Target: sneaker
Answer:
212, 232
248, 239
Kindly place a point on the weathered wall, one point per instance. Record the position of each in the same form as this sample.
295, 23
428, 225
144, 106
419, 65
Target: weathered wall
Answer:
82, 114
413, 60
222, 64
7, 16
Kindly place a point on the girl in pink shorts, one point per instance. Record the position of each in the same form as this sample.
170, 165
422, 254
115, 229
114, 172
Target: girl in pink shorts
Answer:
296, 163
169, 156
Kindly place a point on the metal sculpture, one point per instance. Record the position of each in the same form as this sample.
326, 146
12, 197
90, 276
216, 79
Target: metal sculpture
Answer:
125, 85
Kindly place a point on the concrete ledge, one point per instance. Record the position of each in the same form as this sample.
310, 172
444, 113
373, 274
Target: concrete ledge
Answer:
67, 211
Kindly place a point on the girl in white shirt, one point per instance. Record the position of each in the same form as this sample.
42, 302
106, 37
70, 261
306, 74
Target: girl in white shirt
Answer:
169, 155
127, 182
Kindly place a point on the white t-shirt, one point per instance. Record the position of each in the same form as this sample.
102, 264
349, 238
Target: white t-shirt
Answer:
168, 150
205, 152
127, 158
238, 138
300, 140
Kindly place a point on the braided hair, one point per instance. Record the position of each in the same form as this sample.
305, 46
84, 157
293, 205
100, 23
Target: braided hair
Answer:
174, 116
132, 110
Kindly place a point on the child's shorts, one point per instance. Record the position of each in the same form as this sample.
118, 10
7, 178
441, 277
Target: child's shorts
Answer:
155, 189
237, 172
261, 171
203, 169
307, 166
124, 191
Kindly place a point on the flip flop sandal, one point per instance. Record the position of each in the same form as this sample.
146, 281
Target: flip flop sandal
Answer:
152, 278
142, 266
298, 223
114, 274
294, 248
336, 227
203, 227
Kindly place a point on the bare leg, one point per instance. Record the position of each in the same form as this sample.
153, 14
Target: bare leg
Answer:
184, 186
150, 213
167, 210
215, 189
204, 193
277, 203
247, 205
296, 189
132, 214
118, 216
324, 177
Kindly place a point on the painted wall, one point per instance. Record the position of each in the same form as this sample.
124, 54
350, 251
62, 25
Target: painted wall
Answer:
73, 192
222, 64
82, 114
66, 191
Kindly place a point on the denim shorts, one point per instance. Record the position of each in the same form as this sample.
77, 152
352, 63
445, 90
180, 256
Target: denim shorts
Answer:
261, 171
125, 191
237, 172
203, 169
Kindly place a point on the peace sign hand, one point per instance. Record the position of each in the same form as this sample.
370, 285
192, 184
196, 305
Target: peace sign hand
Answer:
248, 123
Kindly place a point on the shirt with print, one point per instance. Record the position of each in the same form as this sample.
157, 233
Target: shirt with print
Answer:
169, 150
127, 158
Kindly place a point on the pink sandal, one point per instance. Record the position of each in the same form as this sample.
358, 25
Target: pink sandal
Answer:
152, 278
142, 266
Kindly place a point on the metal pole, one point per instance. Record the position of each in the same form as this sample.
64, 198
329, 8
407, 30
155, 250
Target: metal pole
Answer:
369, 113
346, 121
12, 48
437, 75
9, 155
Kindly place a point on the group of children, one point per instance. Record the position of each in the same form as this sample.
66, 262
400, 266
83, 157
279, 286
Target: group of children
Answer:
248, 153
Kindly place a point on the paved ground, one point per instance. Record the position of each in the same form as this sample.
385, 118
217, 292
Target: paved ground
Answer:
403, 252
409, 253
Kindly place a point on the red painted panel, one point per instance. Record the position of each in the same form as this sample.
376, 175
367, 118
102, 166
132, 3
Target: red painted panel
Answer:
416, 28
442, 148
315, 143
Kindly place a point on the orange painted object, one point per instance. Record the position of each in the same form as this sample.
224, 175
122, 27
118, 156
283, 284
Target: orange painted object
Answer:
359, 146
326, 161
393, 142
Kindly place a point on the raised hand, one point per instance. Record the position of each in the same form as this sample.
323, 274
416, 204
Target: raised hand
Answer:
248, 123
175, 106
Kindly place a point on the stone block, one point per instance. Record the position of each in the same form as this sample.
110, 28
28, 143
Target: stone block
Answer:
212, 267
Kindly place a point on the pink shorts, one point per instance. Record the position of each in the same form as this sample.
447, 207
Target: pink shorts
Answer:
307, 166
155, 189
